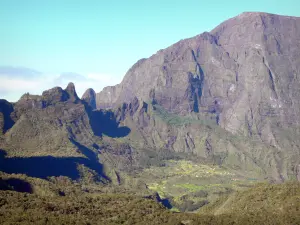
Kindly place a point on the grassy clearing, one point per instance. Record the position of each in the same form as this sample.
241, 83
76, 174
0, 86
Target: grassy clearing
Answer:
185, 181
190, 187
160, 188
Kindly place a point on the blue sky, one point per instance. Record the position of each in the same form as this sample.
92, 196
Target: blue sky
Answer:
100, 40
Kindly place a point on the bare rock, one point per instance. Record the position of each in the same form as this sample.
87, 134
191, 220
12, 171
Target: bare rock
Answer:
89, 97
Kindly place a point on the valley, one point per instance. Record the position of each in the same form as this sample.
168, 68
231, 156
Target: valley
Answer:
183, 182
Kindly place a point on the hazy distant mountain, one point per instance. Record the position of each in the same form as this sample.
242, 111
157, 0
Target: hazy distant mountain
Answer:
18, 71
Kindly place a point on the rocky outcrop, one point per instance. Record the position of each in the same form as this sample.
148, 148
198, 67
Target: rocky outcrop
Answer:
55, 95
72, 95
51, 97
53, 129
89, 97
47, 121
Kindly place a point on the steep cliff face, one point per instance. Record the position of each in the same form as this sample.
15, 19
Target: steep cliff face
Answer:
266, 51
245, 72
153, 127
243, 77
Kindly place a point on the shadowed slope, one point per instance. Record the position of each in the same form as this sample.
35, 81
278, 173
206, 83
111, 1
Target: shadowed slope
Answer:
15, 184
45, 166
6, 109
105, 123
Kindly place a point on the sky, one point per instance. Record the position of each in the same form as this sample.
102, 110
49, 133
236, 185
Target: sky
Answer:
93, 43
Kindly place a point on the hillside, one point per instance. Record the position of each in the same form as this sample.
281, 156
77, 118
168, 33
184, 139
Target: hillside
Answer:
65, 203
271, 203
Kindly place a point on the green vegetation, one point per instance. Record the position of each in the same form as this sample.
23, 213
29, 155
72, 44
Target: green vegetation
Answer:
94, 173
20, 208
68, 202
177, 120
185, 181
271, 203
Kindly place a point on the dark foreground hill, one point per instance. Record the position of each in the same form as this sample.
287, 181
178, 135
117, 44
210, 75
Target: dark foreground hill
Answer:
65, 203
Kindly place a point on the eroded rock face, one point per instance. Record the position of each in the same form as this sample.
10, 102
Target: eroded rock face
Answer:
55, 95
244, 72
265, 49
154, 128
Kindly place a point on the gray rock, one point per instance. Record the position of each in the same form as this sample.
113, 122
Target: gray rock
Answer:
72, 92
244, 75
244, 71
89, 97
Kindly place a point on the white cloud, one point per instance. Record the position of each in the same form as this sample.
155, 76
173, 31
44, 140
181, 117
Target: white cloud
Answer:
13, 87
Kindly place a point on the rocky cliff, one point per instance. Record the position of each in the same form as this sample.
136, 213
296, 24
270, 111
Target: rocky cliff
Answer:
244, 71
243, 76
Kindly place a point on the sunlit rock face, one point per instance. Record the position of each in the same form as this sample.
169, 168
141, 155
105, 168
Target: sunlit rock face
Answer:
244, 71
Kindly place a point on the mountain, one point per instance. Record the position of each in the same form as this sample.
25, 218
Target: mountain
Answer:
58, 134
55, 134
206, 117
243, 75
221, 72
244, 71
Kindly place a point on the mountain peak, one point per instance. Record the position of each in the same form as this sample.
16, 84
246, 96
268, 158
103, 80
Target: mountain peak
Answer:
89, 90
71, 86
89, 97
72, 91
246, 18
253, 14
